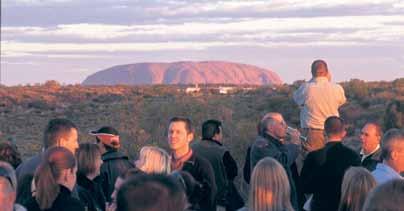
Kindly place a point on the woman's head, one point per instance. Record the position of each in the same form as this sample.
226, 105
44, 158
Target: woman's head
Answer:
89, 160
58, 167
356, 185
269, 188
154, 160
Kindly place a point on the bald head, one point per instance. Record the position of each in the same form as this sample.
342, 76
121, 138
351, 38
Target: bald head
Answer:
319, 68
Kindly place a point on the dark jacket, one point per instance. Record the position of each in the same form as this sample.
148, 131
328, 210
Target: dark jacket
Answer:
29, 166
203, 198
247, 166
90, 194
63, 202
285, 154
224, 167
372, 160
323, 171
114, 164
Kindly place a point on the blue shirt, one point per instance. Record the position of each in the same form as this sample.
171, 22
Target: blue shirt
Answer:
384, 173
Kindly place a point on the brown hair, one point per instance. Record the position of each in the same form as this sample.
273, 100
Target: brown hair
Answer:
87, 155
317, 68
356, 185
56, 160
10, 154
187, 121
55, 130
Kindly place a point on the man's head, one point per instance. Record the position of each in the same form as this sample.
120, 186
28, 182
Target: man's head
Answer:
107, 138
163, 194
212, 130
273, 124
319, 68
393, 149
371, 135
61, 132
8, 186
334, 128
387, 196
180, 133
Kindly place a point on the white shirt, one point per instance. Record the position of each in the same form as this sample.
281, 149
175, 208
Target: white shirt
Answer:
362, 153
319, 100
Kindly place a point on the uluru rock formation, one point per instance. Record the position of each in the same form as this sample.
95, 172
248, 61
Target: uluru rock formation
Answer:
205, 72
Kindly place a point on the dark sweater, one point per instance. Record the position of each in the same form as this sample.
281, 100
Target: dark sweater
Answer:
204, 197
63, 202
90, 194
323, 171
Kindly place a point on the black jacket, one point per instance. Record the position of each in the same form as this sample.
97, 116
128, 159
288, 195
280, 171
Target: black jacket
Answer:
114, 164
63, 202
90, 194
323, 171
203, 198
372, 160
285, 154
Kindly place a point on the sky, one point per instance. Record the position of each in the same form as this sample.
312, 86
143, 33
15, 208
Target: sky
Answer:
68, 40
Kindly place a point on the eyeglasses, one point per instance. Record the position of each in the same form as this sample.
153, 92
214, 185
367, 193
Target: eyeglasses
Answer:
4, 173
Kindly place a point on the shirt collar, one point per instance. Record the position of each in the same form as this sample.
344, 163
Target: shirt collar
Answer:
214, 141
320, 79
363, 153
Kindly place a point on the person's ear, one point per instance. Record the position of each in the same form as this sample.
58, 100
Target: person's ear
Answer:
190, 137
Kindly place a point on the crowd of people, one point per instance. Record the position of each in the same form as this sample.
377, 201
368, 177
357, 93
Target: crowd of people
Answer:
286, 169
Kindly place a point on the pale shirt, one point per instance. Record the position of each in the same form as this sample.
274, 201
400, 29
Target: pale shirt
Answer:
384, 173
362, 153
319, 100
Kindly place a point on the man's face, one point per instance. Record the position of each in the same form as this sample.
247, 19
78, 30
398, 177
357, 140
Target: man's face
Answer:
178, 137
278, 127
369, 138
70, 141
398, 156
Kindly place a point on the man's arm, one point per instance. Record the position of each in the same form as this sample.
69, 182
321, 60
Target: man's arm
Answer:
299, 96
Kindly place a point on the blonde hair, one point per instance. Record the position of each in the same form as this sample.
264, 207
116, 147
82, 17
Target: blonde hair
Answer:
154, 160
356, 185
269, 188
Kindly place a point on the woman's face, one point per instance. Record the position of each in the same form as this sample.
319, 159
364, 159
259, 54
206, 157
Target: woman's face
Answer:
70, 177
98, 164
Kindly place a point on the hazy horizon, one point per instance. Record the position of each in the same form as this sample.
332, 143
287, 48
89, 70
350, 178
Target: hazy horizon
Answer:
68, 40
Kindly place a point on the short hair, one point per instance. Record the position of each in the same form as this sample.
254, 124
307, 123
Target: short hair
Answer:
356, 185
269, 187
265, 120
334, 125
154, 160
55, 130
187, 121
87, 155
210, 128
389, 140
378, 128
8, 172
315, 67
387, 196
10, 153
163, 194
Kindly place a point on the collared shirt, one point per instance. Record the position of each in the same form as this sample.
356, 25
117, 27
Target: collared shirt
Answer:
384, 173
319, 99
362, 153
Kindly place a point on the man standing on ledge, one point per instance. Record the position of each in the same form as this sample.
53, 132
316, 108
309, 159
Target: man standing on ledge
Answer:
319, 98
